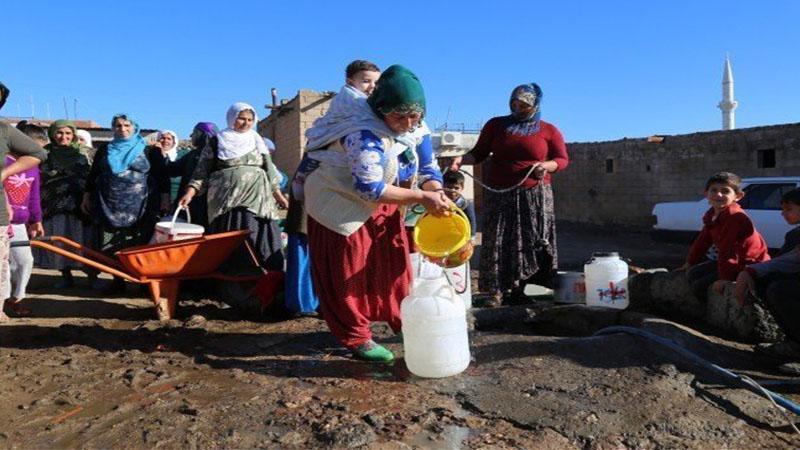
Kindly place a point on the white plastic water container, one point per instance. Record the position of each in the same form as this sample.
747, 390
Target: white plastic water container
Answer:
606, 281
435, 338
422, 268
459, 277
570, 288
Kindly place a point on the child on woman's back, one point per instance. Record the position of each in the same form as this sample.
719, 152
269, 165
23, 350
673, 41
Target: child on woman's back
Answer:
360, 79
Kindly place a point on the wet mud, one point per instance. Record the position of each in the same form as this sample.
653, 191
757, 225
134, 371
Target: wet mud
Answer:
93, 372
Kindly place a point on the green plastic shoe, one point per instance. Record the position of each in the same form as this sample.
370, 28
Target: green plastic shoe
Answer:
373, 352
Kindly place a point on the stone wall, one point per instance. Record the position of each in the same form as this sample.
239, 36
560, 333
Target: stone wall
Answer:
618, 182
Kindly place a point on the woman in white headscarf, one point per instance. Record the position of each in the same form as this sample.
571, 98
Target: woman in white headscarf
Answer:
167, 141
242, 185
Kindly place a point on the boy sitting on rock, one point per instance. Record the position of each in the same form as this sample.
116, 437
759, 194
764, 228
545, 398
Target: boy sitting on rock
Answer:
730, 230
777, 282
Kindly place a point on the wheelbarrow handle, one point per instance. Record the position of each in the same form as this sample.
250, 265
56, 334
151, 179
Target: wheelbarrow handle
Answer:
106, 264
86, 251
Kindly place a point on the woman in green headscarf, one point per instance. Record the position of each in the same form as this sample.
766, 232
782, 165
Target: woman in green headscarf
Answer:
63, 178
357, 243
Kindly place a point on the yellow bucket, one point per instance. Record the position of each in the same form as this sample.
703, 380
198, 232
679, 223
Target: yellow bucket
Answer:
444, 240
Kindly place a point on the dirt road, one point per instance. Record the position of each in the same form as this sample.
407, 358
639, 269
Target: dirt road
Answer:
92, 372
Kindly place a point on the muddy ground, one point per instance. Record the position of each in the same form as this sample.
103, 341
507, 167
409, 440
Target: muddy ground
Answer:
94, 372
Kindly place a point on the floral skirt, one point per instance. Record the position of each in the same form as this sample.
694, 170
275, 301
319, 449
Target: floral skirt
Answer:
519, 239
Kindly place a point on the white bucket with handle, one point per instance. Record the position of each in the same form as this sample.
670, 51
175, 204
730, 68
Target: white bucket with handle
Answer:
176, 231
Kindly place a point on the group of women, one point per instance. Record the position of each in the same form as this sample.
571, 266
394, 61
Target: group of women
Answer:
359, 250
112, 198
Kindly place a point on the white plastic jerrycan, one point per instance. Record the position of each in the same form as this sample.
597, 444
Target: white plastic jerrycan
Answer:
459, 277
435, 338
606, 281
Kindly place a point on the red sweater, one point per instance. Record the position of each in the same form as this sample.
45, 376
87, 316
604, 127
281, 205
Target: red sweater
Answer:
737, 241
512, 156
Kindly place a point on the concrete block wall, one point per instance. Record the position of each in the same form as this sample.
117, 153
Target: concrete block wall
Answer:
287, 124
675, 169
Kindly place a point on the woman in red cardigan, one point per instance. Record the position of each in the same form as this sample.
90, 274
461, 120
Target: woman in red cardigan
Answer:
519, 233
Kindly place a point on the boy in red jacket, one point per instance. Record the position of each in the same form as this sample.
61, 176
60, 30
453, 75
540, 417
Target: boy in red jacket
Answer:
730, 230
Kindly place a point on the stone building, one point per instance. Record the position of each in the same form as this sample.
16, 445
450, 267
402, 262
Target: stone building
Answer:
618, 182
287, 123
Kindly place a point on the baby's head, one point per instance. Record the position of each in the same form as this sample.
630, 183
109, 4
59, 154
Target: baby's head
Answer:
790, 206
362, 75
453, 184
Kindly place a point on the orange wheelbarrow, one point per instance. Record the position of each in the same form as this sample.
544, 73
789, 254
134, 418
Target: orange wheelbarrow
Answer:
161, 266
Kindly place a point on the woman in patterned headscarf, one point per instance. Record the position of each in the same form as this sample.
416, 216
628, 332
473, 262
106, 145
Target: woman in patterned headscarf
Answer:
126, 191
357, 244
519, 234
63, 178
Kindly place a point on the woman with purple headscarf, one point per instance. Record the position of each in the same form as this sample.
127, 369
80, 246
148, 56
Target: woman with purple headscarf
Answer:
183, 166
519, 232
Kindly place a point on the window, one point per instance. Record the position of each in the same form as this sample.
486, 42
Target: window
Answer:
609, 165
766, 158
765, 196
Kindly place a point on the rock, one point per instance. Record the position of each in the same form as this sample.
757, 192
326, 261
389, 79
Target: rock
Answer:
188, 410
196, 321
349, 436
667, 292
373, 420
751, 322
292, 438
576, 319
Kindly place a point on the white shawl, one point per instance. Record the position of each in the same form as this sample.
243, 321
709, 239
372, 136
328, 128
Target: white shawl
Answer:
235, 144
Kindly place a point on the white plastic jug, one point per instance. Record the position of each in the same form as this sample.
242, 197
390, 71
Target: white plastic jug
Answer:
570, 288
459, 277
175, 231
435, 338
606, 281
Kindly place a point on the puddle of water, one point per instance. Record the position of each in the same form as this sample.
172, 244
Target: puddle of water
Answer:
452, 438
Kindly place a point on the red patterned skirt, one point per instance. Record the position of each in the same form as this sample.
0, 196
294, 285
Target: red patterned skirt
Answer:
361, 278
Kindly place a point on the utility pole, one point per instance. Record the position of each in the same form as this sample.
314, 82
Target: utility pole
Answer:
66, 111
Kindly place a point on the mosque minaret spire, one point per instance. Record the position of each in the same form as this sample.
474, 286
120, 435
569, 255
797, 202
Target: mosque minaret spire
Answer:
728, 104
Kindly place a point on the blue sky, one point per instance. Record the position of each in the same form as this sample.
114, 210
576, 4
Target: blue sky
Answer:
609, 69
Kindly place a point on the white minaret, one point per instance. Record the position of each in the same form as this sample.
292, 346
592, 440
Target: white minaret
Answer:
728, 104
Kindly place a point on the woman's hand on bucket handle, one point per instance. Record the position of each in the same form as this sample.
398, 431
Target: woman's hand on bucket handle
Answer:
187, 197
436, 203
